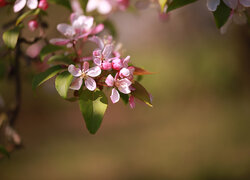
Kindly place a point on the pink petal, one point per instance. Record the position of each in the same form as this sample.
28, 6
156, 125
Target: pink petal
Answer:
97, 61
76, 84
124, 72
76, 6
97, 29
132, 102
104, 7
92, 5
32, 4
115, 96
107, 50
98, 41
90, 84
85, 66
59, 41
74, 71
66, 30
83, 23
94, 71
117, 64
110, 81
126, 61
19, 4
106, 65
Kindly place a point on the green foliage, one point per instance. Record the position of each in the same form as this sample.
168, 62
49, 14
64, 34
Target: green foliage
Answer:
63, 82
179, 3
60, 59
141, 93
124, 97
221, 14
10, 37
111, 27
46, 75
4, 151
93, 105
26, 14
49, 49
65, 3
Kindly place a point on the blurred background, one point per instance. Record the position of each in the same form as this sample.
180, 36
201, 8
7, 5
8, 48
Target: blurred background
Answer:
198, 129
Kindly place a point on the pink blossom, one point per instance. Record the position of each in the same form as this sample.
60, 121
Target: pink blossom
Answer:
81, 26
123, 85
102, 6
86, 73
20, 4
33, 25
43, 4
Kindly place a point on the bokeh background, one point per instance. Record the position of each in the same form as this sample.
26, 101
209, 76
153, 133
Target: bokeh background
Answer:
198, 129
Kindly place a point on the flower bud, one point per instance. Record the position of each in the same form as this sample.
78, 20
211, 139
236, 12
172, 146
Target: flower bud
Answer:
117, 64
43, 4
106, 65
33, 25
3, 3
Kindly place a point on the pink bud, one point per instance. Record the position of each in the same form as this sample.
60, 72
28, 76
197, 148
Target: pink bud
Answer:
43, 4
106, 65
132, 102
123, 4
97, 53
3, 3
33, 25
117, 64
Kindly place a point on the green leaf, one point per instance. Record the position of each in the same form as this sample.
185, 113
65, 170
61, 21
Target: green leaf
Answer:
84, 4
65, 3
141, 93
93, 106
125, 98
61, 59
49, 49
10, 37
4, 151
179, 3
221, 14
63, 82
26, 14
111, 27
46, 75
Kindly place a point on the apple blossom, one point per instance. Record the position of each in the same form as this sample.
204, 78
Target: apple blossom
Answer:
86, 73
20, 4
123, 85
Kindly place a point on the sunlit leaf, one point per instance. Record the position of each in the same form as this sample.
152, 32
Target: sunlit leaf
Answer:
46, 75
63, 82
141, 93
49, 49
26, 14
140, 71
179, 3
93, 106
60, 59
221, 14
10, 37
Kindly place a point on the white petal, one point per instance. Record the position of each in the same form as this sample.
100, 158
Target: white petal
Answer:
245, 3
92, 5
107, 50
76, 6
115, 96
212, 4
124, 72
104, 7
124, 89
66, 30
94, 71
83, 22
74, 71
19, 4
110, 80
76, 84
90, 84
32, 4
97, 61
231, 3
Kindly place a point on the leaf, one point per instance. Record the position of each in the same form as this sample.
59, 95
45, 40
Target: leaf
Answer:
10, 37
221, 14
178, 3
65, 3
49, 49
125, 98
93, 106
26, 14
4, 151
63, 82
46, 75
61, 59
162, 4
111, 27
141, 93
140, 71
84, 4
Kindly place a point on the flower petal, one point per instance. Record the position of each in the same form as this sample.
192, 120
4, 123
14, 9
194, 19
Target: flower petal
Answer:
212, 4
92, 5
245, 3
76, 84
104, 7
231, 3
74, 71
110, 80
126, 61
59, 41
97, 61
115, 96
107, 50
19, 4
85, 66
132, 102
66, 30
124, 72
32, 4
94, 71
97, 29
90, 84
98, 41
